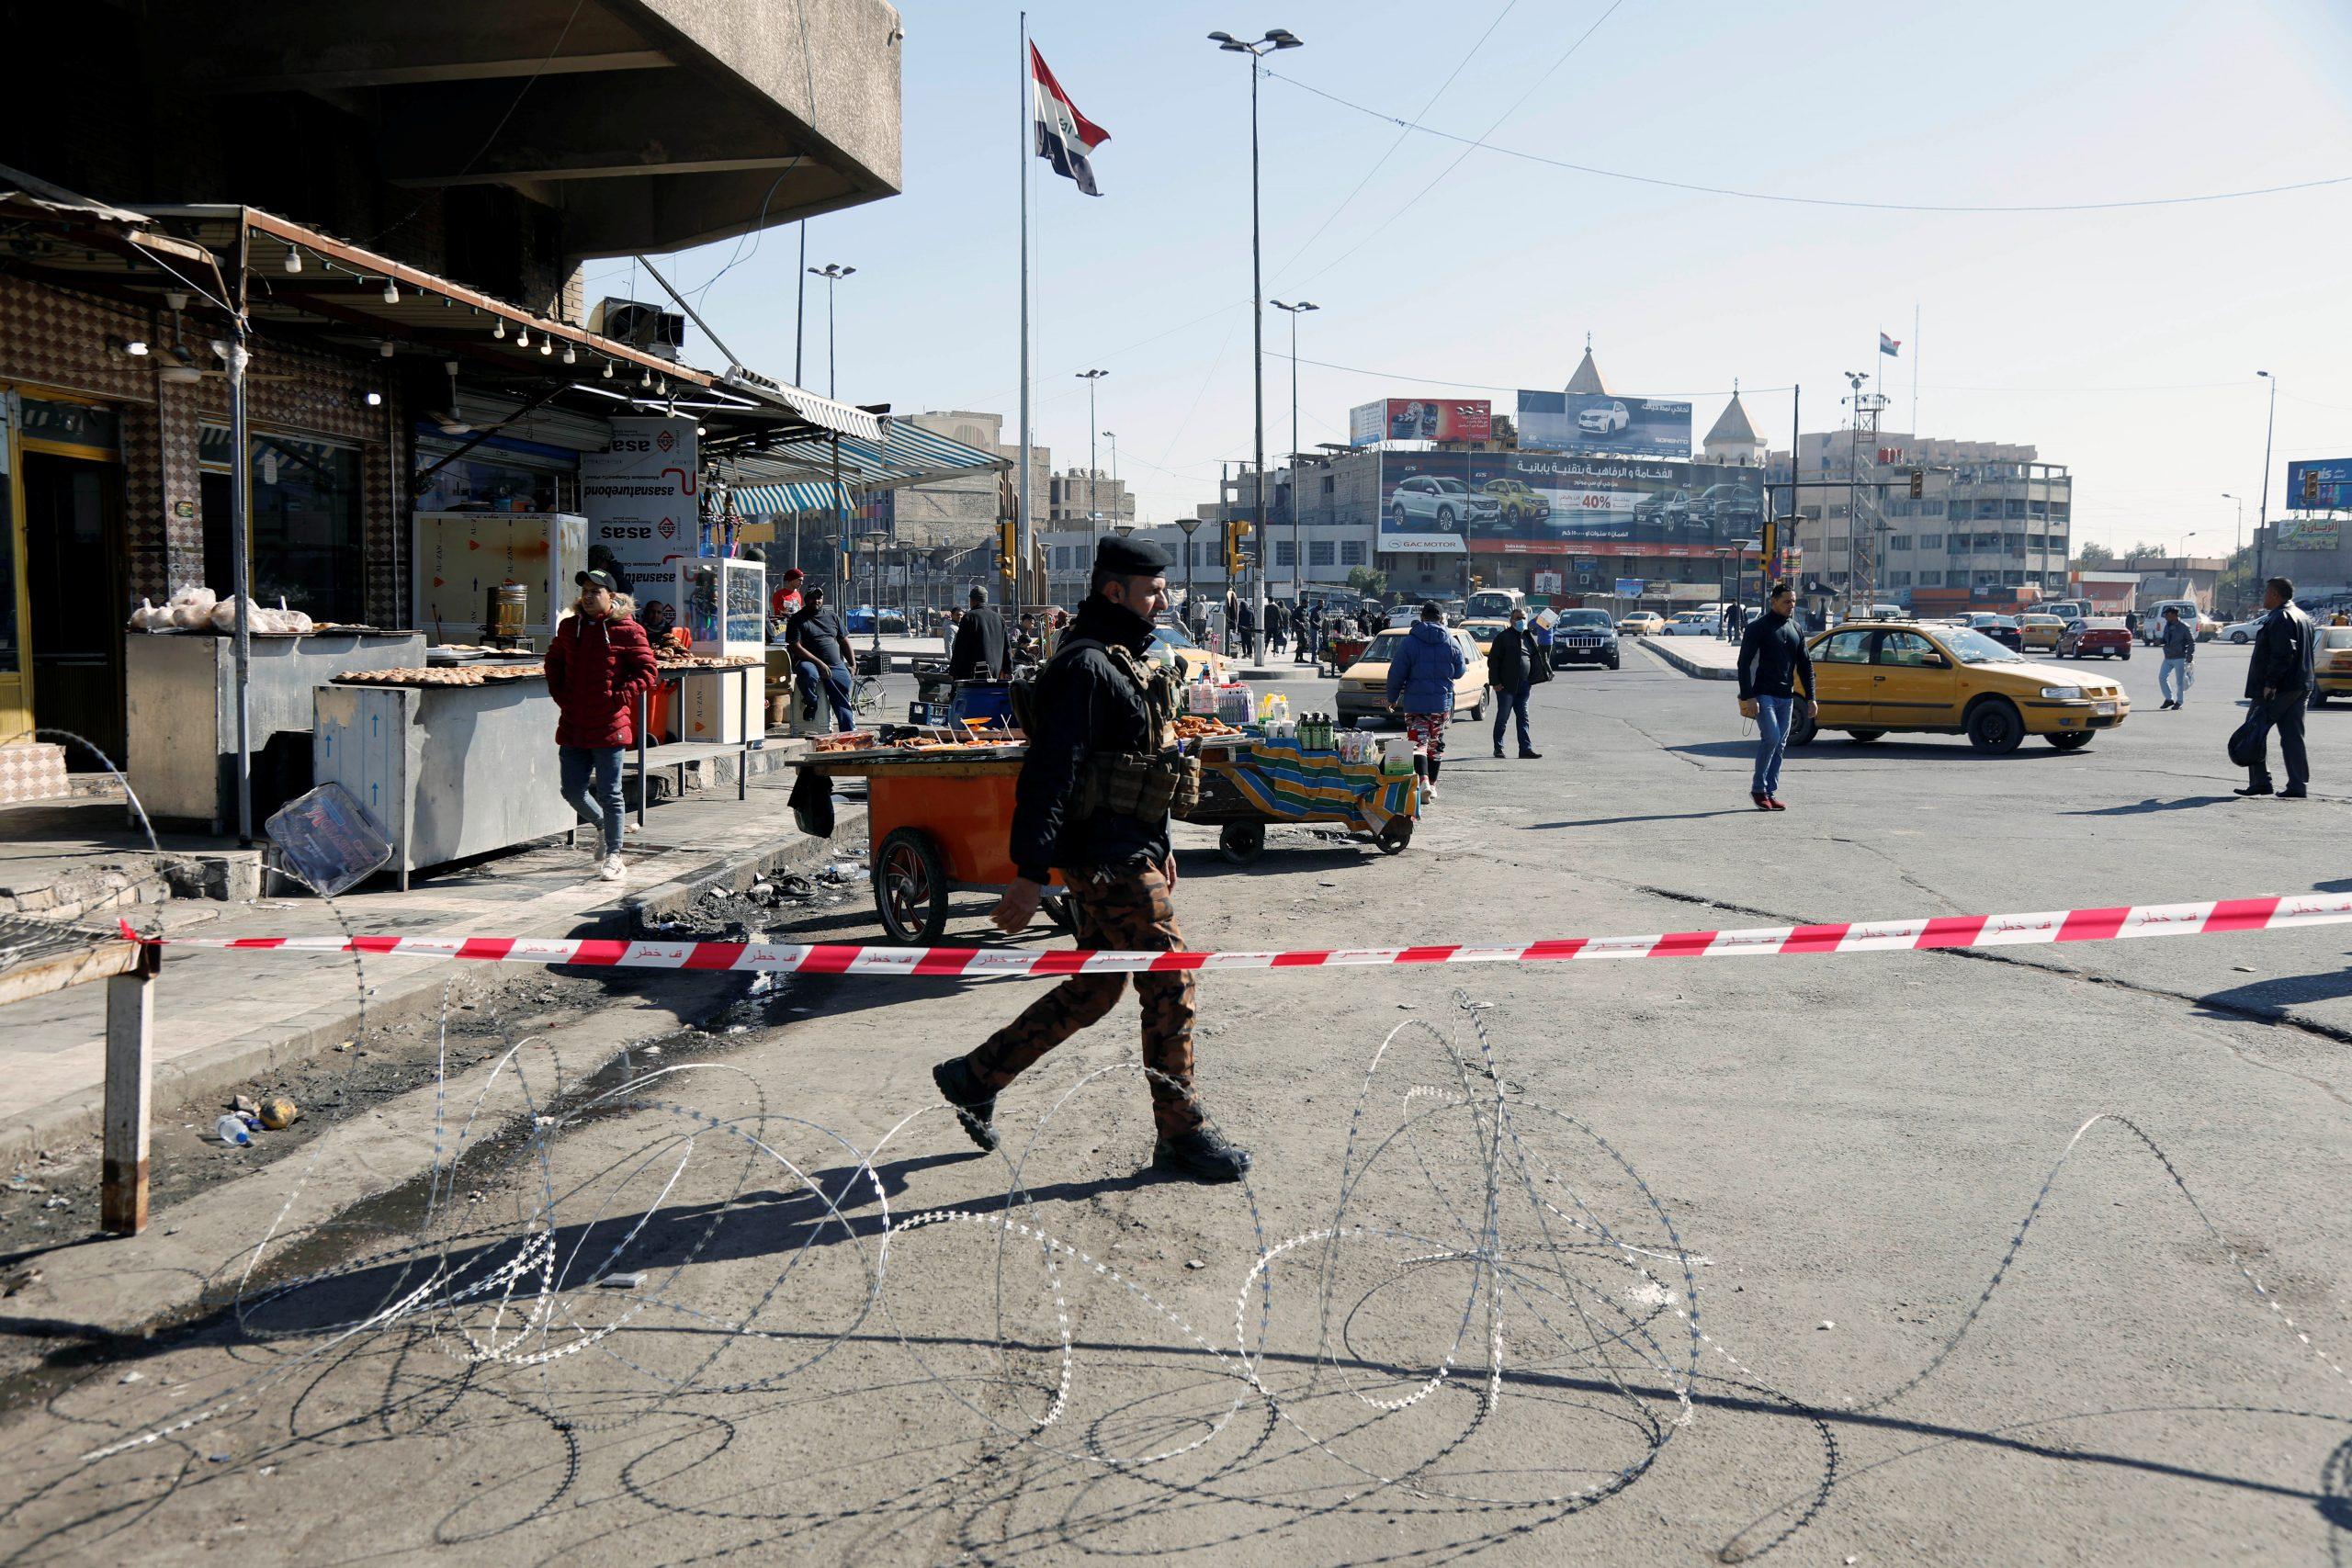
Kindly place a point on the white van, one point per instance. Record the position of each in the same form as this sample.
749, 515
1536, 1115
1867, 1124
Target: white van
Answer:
2152, 621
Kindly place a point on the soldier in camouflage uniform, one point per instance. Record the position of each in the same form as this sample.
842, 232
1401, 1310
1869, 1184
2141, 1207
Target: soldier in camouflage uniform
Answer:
1092, 801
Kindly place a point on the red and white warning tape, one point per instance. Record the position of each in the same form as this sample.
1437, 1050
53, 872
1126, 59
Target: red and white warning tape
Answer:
2220, 916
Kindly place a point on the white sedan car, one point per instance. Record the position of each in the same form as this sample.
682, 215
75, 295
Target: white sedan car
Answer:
2240, 631
1693, 623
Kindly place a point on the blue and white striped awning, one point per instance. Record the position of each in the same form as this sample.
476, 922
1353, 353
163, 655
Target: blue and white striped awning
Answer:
796, 476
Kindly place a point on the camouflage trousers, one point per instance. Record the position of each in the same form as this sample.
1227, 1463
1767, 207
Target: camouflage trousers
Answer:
1129, 912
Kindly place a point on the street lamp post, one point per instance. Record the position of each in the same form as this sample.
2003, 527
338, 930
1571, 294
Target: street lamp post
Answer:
1276, 37
2262, 517
1112, 437
1297, 561
1092, 516
832, 273
1188, 524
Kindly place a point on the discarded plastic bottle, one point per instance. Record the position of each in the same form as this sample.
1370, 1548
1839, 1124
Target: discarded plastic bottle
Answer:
232, 1129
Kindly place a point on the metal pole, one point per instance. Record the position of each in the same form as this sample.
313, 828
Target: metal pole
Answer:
801, 322
1298, 557
832, 386
1094, 467
2262, 518
240, 577
1257, 357
1023, 524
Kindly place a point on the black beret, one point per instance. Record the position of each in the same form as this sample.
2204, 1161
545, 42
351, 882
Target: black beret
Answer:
1131, 557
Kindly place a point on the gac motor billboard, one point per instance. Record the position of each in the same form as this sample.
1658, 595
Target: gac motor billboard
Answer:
1421, 419
1537, 502
1597, 422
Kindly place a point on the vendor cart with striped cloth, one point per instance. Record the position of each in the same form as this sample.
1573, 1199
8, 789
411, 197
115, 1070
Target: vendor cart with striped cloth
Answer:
1248, 783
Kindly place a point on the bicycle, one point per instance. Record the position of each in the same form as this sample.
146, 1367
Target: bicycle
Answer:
865, 693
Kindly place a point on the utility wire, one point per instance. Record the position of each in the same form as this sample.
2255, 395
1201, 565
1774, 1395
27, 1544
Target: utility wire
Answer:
1471, 143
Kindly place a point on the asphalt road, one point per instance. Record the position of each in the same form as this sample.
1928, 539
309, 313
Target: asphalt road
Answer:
1497, 1354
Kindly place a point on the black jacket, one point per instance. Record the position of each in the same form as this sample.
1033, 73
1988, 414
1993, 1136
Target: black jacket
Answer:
1083, 704
1511, 659
1772, 660
2282, 653
980, 653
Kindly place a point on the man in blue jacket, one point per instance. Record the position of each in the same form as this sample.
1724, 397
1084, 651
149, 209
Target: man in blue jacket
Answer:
1421, 686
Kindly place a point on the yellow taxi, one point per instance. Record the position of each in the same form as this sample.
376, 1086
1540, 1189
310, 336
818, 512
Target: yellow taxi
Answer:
1904, 676
1363, 685
1482, 630
1643, 622
1190, 656
2039, 631
2331, 664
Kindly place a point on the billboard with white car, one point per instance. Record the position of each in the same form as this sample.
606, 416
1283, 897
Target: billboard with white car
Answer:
1441, 502
1598, 421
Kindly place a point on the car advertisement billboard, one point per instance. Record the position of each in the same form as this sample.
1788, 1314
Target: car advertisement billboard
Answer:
2321, 486
1543, 503
1597, 422
1421, 419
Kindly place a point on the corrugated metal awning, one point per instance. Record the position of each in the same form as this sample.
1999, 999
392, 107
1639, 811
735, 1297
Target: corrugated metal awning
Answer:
784, 501
905, 456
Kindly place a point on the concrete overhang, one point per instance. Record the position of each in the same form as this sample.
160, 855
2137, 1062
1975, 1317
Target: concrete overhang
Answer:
651, 124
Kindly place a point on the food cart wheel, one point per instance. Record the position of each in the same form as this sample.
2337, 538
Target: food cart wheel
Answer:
1060, 910
1241, 842
1393, 835
910, 887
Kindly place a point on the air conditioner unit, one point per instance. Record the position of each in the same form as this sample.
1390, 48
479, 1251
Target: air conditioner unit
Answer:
655, 330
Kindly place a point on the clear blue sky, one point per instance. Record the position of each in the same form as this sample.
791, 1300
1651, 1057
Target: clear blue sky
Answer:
2121, 343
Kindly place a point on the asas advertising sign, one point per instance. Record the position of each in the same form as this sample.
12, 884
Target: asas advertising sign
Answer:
1597, 422
1539, 502
643, 513
1421, 419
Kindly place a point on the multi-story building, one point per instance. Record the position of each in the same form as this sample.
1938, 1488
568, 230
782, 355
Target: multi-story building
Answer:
958, 513
1075, 496
1993, 524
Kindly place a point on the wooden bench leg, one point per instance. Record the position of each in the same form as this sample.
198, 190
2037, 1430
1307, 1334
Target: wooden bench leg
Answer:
130, 1042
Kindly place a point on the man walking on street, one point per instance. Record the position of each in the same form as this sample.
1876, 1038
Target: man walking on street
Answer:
2277, 680
2175, 674
978, 652
1092, 802
1246, 631
1511, 660
1774, 669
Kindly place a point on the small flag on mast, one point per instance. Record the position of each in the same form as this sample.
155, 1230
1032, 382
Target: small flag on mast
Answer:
1065, 137
1889, 346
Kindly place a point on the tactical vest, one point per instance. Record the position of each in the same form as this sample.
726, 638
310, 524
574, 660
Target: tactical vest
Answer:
1147, 786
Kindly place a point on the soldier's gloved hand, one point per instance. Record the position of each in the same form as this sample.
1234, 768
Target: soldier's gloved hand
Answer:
1017, 908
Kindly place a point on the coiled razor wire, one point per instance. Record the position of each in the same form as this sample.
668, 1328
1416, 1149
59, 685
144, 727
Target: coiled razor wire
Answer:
514, 1301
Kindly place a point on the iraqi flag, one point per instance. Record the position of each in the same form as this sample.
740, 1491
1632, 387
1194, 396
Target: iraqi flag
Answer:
1891, 347
1065, 137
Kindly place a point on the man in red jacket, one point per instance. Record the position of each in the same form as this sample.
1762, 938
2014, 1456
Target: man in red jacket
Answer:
598, 663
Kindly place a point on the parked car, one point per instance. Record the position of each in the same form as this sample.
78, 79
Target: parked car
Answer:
1518, 504
1605, 419
1905, 676
2241, 632
2102, 634
1190, 657
1482, 630
1693, 623
2331, 665
2065, 609
2040, 633
1434, 500
1363, 685
2002, 630
1643, 622
1584, 637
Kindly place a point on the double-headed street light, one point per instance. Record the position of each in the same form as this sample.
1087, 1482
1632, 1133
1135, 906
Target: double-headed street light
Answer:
832, 273
1297, 561
1276, 37
1092, 516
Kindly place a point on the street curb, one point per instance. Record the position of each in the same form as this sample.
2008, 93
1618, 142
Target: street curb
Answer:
231, 1064
737, 872
1684, 662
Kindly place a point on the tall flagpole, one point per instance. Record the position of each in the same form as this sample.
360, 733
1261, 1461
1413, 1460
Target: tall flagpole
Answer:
1028, 546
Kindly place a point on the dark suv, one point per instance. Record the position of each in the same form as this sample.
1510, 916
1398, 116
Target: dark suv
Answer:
1584, 637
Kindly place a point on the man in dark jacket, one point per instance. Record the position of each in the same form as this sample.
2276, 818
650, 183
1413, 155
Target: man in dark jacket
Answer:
2278, 681
1774, 669
1511, 662
2179, 669
980, 653
1245, 630
818, 637
1098, 714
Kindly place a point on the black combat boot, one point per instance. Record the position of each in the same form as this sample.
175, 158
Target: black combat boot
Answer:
1203, 1156
974, 1105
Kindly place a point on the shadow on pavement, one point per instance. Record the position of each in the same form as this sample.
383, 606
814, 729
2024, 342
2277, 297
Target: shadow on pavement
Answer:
1614, 821
2279, 993
2137, 808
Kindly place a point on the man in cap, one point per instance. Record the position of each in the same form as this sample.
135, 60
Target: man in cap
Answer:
784, 602
1092, 802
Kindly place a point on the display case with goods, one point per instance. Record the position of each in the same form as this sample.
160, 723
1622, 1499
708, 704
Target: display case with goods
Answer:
723, 605
462, 558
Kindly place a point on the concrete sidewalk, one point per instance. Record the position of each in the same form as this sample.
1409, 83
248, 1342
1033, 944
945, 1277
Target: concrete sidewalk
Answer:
1703, 657
223, 1017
